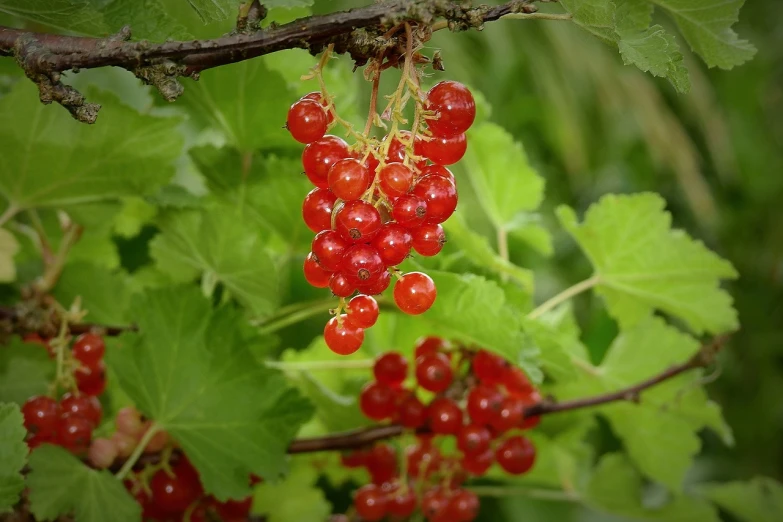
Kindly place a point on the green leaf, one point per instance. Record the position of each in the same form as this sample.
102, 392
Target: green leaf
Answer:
595, 16
218, 245
758, 500
60, 484
557, 336
656, 51
13, 454
189, 369
52, 160
294, 499
9, 246
63, 15
147, 19
104, 294
641, 264
706, 25
214, 10
25, 370
616, 488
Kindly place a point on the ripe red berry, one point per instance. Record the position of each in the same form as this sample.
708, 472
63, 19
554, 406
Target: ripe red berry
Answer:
91, 380
361, 264
41, 415
412, 412
314, 274
433, 372
307, 121
317, 209
340, 286
317, 96
445, 416
438, 170
88, 349
74, 433
445, 151
516, 455
393, 243
479, 463
83, 406
488, 367
433, 503
463, 506
362, 311
473, 439
483, 404
349, 179
173, 494
102, 453
319, 156
370, 503
354, 459
529, 422
391, 368
382, 463
516, 382
428, 240
328, 248
414, 293
454, 106
343, 340
377, 401
233, 510
440, 195
423, 460
398, 149
128, 421
509, 416
428, 345
358, 222
377, 286
402, 503
395, 179
409, 210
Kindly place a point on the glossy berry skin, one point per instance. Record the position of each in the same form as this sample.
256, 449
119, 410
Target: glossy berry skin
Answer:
358, 222
516, 455
340, 286
88, 349
74, 433
433, 504
402, 504
345, 340
440, 195
328, 248
463, 506
234, 510
361, 264
83, 406
393, 243
484, 403
509, 416
314, 274
174, 494
377, 401
124, 443
382, 463
529, 400
479, 463
307, 121
455, 107
395, 179
488, 367
318, 97
433, 372
41, 415
362, 311
429, 345
423, 460
91, 380
391, 369
445, 151
412, 412
317, 209
128, 421
102, 453
370, 503
349, 179
445, 416
319, 156
428, 240
473, 439
438, 170
379, 285
409, 210
398, 150
415, 293
354, 459
516, 382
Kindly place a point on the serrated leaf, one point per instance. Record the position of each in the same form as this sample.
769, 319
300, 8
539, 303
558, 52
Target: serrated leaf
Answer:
61, 484
63, 15
641, 264
135, 213
655, 51
103, 293
218, 245
9, 246
595, 16
25, 370
633, 15
190, 371
528, 227
557, 336
758, 500
214, 10
13, 454
147, 19
295, 499
51, 160
706, 25
616, 487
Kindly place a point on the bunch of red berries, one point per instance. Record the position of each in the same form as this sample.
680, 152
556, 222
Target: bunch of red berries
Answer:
475, 397
377, 200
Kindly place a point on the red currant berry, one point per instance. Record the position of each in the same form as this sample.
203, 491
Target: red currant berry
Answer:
390, 369
395, 179
328, 248
358, 222
382, 463
484, 403
409, 210
509, 416
317, 96
362, 311
438, 170
428, 240
463, 506
433, 372
516, 382
445, 416
317, 209
319, 156
354, 459
473, 439
362, 264
83, 406
41, 415
479, 463
428, 345
516, 455
445, 151
454, 106
102, 453
88, 349
440, 195
433, 503
377, 286
402, 503
488, 367
91, 380
307, 121
423, 460
74, 433
349, 179
340, 286
233, 510
393, 243
377, 401
343, 340
412, 412
398, 149
530, 422
414, 293
128, 421
174, 494
370, 503
314, 274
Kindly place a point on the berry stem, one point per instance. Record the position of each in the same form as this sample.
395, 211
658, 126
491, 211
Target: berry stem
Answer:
376, 82
145, 439
306, 311
564, 296
53, 270
513, 491
9, 213
308, 366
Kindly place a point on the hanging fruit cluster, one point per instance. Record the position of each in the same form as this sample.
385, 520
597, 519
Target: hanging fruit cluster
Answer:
377, 199
473, 397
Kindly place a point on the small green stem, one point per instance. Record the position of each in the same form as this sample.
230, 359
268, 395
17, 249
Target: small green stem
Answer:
537, 16
292, 318
537, 493
145, 440
53, 270
564, 296
9, 213
309, 366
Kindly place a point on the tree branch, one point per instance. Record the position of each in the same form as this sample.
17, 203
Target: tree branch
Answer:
357, 32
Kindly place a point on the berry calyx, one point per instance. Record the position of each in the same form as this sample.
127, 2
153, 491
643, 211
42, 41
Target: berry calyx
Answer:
361, 264
440, 195
377, 286
358, 222
414, 293
345, 339
409, 210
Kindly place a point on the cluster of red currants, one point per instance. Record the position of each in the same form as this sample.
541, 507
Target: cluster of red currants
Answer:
476, 397
376, 201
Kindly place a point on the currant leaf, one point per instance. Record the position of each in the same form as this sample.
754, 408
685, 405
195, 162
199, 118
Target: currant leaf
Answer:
13, 455
63, 15
758, 500
104, 294
25, 370
9, 246
295, 498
